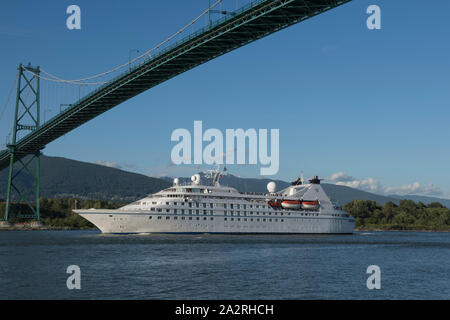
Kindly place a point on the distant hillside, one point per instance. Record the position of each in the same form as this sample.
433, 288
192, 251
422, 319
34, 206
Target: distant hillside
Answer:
424, 199
64, 178
341, 195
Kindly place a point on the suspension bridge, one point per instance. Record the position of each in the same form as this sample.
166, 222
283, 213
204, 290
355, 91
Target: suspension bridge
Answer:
99, 93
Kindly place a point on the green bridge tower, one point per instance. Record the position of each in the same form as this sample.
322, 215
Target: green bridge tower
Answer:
26, 118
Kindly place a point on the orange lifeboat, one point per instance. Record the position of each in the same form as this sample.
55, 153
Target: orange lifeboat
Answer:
291, 204
310, 205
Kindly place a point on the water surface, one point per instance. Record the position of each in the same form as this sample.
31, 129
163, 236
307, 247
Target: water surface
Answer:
414, 265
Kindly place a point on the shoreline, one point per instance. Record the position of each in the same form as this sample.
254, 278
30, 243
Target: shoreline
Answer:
40, 227
45, 229
399, 230
36, 226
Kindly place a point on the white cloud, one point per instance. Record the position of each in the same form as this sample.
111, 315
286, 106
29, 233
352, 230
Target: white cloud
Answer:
373, 185
341, 177
109, 164
415, 188
368, 184
123, 165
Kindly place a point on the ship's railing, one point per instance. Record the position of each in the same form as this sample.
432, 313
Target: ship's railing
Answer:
254, 193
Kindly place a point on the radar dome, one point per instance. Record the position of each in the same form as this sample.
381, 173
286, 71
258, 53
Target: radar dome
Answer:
176, 181
271, 187
196, 178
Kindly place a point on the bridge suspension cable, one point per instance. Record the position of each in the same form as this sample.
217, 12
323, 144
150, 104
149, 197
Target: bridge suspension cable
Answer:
2, 112
54, 78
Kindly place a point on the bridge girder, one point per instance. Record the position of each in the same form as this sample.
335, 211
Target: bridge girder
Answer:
254, 21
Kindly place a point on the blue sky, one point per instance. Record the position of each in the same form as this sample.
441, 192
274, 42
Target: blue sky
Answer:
364, 108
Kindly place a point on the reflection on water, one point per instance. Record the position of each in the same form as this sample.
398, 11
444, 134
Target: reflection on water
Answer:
414, 265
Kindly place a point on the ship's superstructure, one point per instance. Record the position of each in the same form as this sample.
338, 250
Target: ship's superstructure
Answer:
202, 208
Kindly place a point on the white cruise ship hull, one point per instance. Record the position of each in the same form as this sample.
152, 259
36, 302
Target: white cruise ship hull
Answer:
110, 221
213, 208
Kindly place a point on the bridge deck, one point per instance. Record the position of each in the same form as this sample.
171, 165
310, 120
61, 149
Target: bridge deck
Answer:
254, 21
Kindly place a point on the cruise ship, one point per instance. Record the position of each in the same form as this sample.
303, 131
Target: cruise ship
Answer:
198, 207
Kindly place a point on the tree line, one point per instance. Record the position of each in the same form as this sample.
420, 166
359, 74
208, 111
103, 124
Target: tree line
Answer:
57, 213
408, 215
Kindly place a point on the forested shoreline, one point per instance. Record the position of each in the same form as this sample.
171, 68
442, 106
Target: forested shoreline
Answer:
408, 215
58, 214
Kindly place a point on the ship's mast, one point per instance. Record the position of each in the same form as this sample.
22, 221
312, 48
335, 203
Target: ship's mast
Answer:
216, 176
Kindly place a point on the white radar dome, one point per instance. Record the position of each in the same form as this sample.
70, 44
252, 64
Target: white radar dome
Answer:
196, 178
271, 187
176, 181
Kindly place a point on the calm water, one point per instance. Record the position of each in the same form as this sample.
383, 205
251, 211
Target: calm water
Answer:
414, 265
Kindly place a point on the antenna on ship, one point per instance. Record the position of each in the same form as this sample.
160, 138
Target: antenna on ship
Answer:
302, 179
216, 177
298, 181
315, 180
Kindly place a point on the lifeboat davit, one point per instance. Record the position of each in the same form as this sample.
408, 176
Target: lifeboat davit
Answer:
310, 205
291, 204
274, 203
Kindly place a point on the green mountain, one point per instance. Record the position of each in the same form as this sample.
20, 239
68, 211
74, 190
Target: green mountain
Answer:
65, 178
